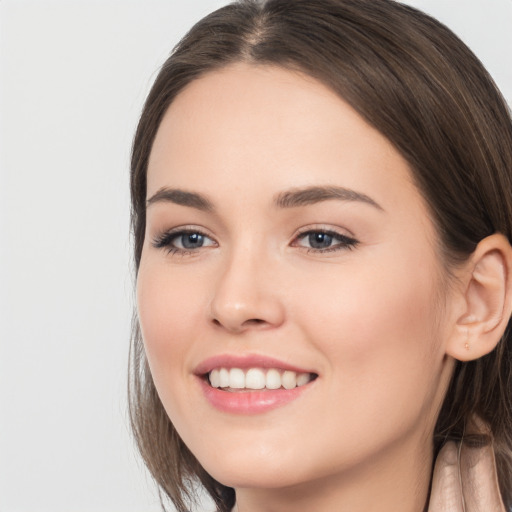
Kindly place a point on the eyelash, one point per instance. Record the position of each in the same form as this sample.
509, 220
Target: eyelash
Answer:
166, 240
344, 242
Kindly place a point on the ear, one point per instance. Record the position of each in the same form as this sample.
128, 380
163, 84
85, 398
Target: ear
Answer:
487, 300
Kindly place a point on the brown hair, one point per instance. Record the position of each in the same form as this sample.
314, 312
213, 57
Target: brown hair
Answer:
418, 84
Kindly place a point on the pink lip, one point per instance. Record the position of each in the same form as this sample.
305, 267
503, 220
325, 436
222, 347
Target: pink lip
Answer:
250, 402
243, 362
247, 401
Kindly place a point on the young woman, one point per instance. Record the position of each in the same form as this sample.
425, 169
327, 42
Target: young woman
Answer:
322, 213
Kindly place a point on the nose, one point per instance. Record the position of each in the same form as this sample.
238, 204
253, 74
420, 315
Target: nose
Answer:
246, 296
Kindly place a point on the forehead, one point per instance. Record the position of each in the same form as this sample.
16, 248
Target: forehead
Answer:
248, 127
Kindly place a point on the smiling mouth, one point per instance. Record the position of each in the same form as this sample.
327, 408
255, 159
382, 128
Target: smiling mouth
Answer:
237, 379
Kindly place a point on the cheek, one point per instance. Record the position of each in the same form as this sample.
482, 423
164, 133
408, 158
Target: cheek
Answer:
167, 311
168, 302
367, 307
167, 317
378, 329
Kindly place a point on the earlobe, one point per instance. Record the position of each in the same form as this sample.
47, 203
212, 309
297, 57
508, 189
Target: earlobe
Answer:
487, 300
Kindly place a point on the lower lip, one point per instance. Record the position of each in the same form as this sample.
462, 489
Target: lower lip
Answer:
250, 402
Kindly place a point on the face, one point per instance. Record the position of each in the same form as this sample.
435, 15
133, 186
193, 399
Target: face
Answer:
289, 289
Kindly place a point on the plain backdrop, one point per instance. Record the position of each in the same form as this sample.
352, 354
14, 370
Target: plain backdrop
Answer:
73, 77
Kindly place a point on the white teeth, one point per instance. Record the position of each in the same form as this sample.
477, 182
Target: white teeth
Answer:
302, 378
273, 379
224, 378
236, 378
289, 380
215, 378
257, 378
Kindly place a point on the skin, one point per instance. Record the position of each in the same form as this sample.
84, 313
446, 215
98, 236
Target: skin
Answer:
373, 320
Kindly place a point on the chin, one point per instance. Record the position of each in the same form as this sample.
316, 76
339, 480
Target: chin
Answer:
264, 475
257, 465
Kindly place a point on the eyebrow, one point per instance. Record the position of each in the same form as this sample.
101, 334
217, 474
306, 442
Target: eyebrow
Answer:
181, 197
288, 199
311, 195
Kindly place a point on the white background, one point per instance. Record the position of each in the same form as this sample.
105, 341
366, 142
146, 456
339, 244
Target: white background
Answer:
73, 76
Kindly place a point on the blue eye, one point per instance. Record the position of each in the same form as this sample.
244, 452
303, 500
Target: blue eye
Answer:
189, 241
184, 241
325, 241
320, 240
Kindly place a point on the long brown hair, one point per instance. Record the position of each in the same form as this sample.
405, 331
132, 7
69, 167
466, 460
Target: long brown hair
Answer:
418, 84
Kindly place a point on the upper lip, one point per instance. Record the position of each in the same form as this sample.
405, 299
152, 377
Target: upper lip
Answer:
244, 362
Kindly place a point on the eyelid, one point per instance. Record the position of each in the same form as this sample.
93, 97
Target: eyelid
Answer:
165, 237
343, 241
325, 228
346, 241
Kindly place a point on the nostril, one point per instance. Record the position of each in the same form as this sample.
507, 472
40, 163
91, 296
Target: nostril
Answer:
246, 324
253, 321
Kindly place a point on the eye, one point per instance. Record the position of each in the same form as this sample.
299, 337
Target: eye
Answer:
324, 241
183, 241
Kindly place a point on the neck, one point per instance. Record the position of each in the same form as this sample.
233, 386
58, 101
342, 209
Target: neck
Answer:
390, 482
